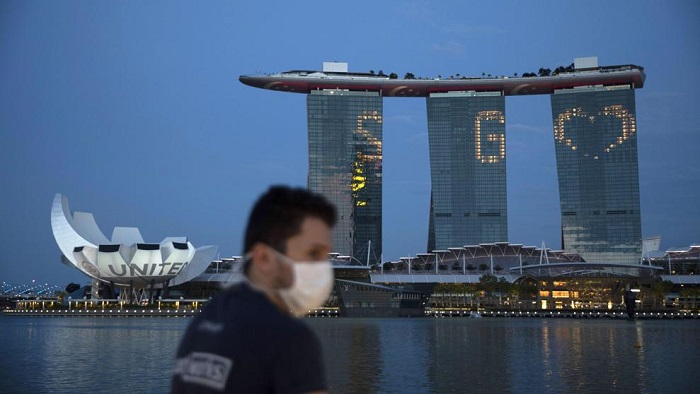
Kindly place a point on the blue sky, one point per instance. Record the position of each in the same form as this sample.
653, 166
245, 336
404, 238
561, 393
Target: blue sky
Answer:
134, 111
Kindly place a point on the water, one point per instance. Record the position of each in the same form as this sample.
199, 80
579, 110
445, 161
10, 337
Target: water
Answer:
426, 355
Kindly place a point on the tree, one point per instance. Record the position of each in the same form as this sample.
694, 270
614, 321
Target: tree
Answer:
659, 290
690, 294
381, 73
371, 72
488, 283
483, 267
502, 287
527, 290
409, 76
469, 290
72, 287
393, 76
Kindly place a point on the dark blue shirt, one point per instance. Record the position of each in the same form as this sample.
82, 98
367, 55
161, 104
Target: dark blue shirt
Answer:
242, 343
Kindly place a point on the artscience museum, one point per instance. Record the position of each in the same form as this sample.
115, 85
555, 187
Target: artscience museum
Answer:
125, 262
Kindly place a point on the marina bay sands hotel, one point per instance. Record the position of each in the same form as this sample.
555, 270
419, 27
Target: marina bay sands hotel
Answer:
595, 138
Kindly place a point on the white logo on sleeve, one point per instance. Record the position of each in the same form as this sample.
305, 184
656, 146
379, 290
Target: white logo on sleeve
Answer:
206, 369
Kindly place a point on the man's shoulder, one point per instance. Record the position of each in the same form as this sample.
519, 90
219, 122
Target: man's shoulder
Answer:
233, 298
246, 342
240, 304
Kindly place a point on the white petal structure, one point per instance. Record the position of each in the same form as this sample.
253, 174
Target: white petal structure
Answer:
126, 259
126, 235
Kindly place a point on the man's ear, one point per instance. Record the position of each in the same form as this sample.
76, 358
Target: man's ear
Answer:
262, 258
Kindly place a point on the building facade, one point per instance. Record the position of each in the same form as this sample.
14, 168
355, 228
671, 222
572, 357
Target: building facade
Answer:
345, 165
596, 149
124, 260
595, 137
467, 140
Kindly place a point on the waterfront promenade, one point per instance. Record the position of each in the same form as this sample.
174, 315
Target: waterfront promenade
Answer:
563, 313
138, 312
335, 312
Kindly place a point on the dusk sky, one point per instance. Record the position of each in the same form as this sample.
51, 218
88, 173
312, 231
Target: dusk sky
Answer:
134, 111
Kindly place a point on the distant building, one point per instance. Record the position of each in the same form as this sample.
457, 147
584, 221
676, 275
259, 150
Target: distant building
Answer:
595, 137
467, 138
345, 165
680, 265
594, 131
125, 262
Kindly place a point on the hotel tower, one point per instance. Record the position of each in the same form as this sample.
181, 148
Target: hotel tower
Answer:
594, 123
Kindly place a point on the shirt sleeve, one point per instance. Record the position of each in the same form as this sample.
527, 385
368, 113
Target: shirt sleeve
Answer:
299, 366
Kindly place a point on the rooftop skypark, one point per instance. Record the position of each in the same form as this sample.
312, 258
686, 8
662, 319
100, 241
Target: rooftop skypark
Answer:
336, 76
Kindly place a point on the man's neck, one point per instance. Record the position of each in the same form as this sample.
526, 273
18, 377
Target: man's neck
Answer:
271, 294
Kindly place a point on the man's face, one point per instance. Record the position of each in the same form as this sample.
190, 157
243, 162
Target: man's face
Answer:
312, 243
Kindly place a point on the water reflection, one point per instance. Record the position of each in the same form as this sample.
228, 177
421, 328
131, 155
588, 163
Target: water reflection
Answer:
83, 354
424, 355
508, 355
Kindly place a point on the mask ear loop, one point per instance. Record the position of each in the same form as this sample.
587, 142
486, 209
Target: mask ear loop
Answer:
238, 269
282, 256
244, 263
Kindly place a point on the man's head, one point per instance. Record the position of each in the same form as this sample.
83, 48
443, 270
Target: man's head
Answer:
292, 221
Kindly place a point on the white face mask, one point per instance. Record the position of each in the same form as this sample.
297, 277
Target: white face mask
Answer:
313, 282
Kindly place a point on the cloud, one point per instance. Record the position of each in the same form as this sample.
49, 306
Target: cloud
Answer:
426, 13
420, 11
410, 119
472, 31
413, 185
527, 128
452, 47
658, 95
419, 137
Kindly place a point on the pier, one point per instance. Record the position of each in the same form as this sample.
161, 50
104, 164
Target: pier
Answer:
566, 313
335, 312
103, 313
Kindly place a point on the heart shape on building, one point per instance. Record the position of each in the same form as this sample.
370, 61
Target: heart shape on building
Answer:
627, 130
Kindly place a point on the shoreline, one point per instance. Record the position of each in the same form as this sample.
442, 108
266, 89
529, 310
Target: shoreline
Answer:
435, 313
103, 313
563, 313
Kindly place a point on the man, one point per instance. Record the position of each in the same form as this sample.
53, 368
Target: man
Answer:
247, 339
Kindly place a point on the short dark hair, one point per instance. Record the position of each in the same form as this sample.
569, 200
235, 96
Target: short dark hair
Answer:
279, 213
